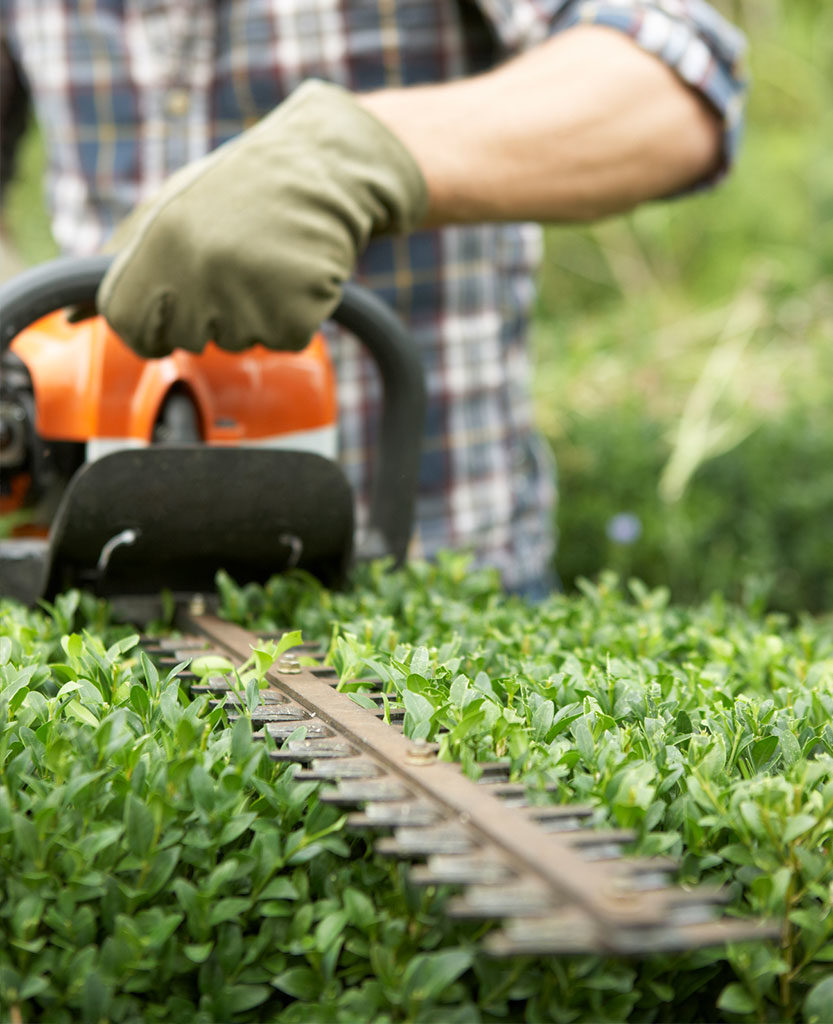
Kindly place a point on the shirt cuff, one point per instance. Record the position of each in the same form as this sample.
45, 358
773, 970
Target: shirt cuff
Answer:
700, 46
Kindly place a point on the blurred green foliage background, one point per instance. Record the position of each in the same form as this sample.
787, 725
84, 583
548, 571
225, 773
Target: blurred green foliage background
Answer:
684, 353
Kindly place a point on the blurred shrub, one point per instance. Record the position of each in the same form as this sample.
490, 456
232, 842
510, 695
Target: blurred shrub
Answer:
752, 524
684, 352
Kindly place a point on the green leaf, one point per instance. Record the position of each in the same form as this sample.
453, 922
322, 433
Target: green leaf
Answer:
82, 713
762, 750
96, 997
428, 975
211, 664
584, 740
37, 703
162, 929
202, 787
33, 986
5, 650
252, 695
420, 660
542, 720
329, 929
235, 827
418, 706
267, 654
298, 982
26, 915
139, 700
161, 868
229, 909
240, 998
751, 814
359, 908
790, 749
457, 693
818, 1002
139, 826
797, 825
71, 687
241, 738
736, 999
363, 700
279, 889
73, 645
100, 838
198, 952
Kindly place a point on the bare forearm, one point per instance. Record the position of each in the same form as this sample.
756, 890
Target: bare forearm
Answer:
584, 125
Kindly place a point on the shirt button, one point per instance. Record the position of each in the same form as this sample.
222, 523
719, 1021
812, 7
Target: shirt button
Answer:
177, 102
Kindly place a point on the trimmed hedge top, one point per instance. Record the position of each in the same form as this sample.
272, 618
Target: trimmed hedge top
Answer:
156, 865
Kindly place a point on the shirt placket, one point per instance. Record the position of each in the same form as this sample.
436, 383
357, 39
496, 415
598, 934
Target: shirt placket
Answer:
172, 44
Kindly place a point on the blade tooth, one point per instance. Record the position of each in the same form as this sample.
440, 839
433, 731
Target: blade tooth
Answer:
325, 673
408, 809
359, 791
154, 644
556, 822
313, 750
173, 647
192, 681
461, 869
387, 846
395, 815
681, 904
717, 933
649, 865
316, 729
645, 881
552, 812
694, 934
571, 930
368, 682
268, 698
596, 844
601, 837
213, 684
170, 660
340, 768
494, 771
526, 897
419, 842
510, 790
276, 713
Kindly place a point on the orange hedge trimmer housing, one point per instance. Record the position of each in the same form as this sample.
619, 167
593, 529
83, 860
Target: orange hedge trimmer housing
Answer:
193, 461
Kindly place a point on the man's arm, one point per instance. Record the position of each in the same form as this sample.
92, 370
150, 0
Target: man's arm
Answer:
254, 242
583, 125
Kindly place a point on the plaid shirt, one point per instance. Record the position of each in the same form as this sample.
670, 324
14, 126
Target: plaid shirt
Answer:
126, 91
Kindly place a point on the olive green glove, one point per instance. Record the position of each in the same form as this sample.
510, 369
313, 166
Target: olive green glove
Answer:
254, 242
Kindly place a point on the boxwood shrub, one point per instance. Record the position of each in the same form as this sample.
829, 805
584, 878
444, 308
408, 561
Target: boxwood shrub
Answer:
157, 865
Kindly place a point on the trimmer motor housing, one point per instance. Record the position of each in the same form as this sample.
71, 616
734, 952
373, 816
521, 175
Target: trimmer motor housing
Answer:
152, 474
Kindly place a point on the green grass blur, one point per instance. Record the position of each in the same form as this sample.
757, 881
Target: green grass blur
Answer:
684, 354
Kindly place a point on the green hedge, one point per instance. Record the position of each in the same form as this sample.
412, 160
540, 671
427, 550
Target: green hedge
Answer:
156, 865
751, 522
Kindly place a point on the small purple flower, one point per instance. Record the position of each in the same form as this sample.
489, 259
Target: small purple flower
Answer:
624, 528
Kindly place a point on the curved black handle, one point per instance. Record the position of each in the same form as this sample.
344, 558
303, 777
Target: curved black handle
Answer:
71, 282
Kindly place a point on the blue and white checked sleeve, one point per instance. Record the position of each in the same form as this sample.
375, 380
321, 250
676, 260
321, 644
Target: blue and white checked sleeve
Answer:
690, 36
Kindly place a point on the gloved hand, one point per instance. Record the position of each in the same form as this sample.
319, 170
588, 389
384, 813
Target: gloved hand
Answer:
254, 242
